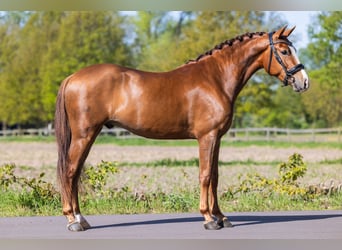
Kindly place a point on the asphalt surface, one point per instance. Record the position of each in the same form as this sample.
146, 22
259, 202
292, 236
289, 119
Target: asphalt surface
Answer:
251, 225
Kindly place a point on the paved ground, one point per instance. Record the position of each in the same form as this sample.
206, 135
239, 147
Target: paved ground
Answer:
270, 225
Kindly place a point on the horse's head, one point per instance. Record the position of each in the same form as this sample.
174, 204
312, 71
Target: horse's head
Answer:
281, 61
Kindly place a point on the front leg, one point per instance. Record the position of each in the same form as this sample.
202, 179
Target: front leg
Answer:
206, 156
215, 210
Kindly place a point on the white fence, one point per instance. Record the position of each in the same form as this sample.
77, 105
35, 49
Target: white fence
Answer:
234, 134
284, 134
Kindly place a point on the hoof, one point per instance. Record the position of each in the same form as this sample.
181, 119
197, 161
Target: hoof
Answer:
75, 227
225, 223
81, 220
85, 224
211, 225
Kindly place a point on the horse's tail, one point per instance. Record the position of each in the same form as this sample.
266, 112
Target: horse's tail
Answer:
63, 135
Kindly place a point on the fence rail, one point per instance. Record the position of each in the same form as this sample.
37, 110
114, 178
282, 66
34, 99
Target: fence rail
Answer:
284, 134
234, 134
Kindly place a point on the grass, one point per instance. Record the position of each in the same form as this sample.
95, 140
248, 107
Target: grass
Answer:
27, 138
255, 202
330, 162
194, 162
21, 196
187, 201
140, 141
14, 203
28, 201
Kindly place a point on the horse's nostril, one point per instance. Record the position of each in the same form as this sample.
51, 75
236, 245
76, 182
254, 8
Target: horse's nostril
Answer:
306, 85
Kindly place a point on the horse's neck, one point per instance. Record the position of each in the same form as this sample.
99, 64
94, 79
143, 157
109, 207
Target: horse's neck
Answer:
237, 64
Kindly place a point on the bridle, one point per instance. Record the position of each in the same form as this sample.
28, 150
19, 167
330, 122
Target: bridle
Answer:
288, 73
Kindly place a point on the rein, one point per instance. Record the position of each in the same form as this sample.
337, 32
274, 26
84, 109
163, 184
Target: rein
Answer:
289, 73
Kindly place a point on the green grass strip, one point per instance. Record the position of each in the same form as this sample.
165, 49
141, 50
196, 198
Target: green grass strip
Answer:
140, 141
193, 162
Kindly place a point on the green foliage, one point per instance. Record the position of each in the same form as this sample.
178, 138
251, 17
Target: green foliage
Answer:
38, 193
324, 56
259, 193
95, 178
286, 183
323, 111
292, 170
254, 103
32, 193
180, 202
42, 49
7, 177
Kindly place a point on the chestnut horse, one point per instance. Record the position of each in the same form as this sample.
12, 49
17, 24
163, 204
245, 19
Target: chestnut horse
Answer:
193, 101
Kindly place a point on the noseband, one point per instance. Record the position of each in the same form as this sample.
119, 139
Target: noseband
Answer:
289, 73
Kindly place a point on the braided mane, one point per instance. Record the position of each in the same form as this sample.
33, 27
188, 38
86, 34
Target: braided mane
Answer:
229, 43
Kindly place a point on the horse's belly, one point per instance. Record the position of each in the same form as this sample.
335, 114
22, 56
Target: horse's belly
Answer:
157, 126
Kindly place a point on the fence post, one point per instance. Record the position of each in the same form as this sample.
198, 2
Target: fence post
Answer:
247, 134
3, 129
313, 135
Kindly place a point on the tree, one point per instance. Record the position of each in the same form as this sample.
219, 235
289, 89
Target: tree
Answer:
10, 44
324, 104
39, 49
171, 39
158, 36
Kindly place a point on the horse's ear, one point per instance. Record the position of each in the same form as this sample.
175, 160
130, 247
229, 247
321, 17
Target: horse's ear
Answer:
288, 32
279, 33
284, 32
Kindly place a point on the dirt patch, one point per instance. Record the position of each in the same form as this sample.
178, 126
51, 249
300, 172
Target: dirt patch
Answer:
45, 154
33, 158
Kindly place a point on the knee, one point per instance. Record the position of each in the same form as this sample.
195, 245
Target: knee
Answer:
204, 180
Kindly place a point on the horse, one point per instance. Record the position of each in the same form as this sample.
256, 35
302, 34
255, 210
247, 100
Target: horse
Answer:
193, 101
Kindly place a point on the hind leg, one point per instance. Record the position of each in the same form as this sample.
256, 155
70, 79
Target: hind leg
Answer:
78, 152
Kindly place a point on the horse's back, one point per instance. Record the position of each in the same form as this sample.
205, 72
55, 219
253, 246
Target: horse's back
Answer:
97, 72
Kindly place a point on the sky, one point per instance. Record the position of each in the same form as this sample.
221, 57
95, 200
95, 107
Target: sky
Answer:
301, 19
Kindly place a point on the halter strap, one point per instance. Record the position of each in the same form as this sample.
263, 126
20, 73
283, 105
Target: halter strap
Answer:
289, 73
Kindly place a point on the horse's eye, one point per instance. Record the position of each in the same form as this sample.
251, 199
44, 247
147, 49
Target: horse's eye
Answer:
284, 52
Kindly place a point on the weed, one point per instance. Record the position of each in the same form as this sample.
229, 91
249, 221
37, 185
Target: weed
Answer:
7, 177
38, 193
33, 193
292, 170
177, 202
285, 184
94, 179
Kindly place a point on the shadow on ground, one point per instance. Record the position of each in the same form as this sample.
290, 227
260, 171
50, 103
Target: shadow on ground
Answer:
237, 221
